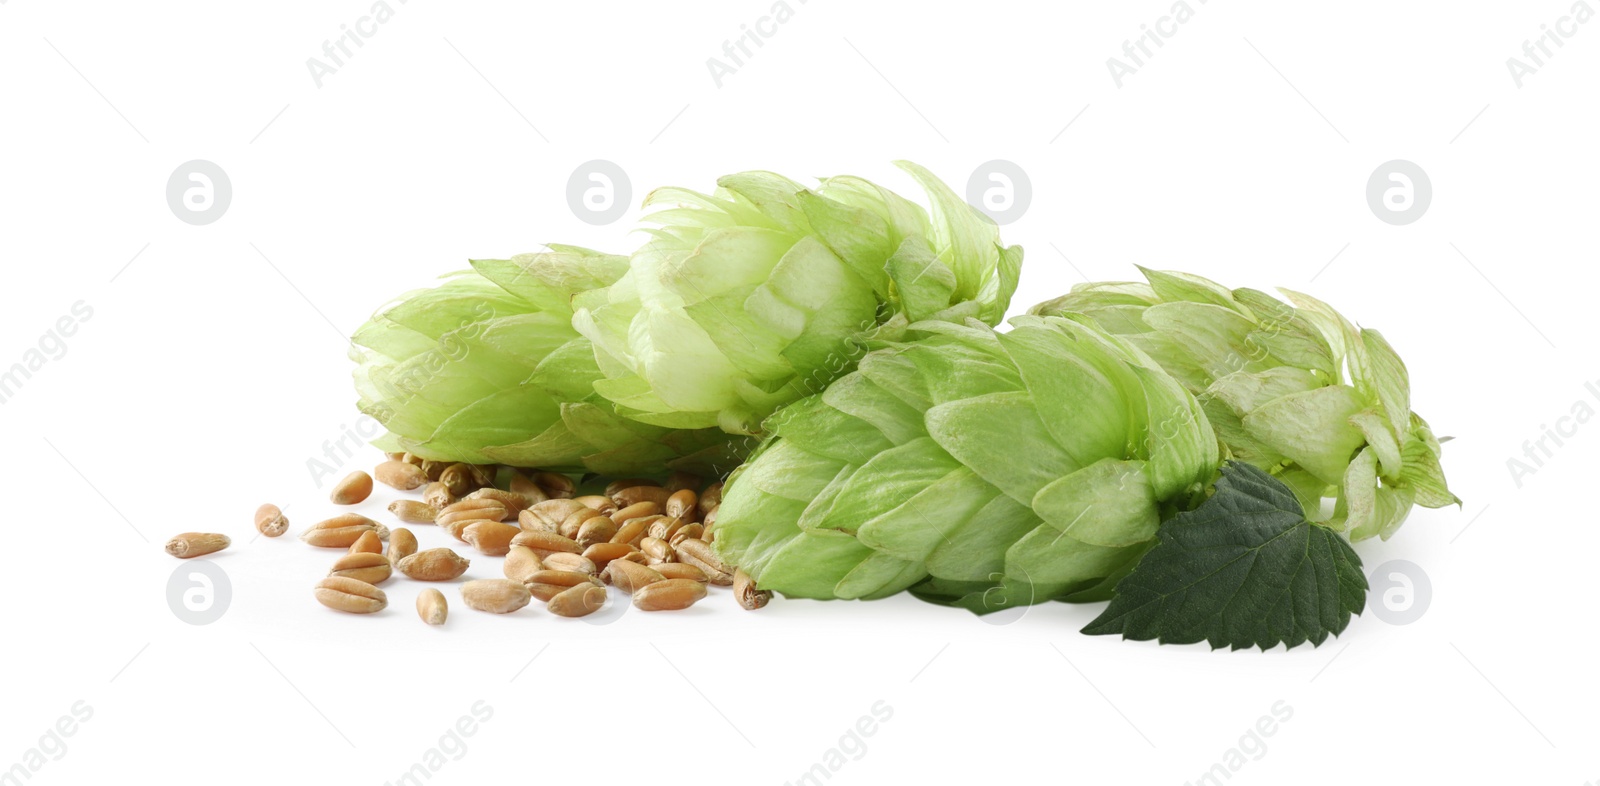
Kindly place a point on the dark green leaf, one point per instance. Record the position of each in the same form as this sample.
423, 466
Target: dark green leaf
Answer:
1244, 569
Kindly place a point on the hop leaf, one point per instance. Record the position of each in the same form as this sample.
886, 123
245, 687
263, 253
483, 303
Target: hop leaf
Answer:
1245, 569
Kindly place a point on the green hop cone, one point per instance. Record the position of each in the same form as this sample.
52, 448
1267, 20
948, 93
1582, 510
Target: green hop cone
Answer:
763, 292
976, 468
486, 368
1297, 391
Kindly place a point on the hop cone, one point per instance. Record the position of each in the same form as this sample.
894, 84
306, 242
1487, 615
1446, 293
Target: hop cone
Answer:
762, 292
1295, 390
486, 368
982, 469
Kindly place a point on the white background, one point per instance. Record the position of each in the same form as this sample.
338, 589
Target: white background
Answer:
214, 367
